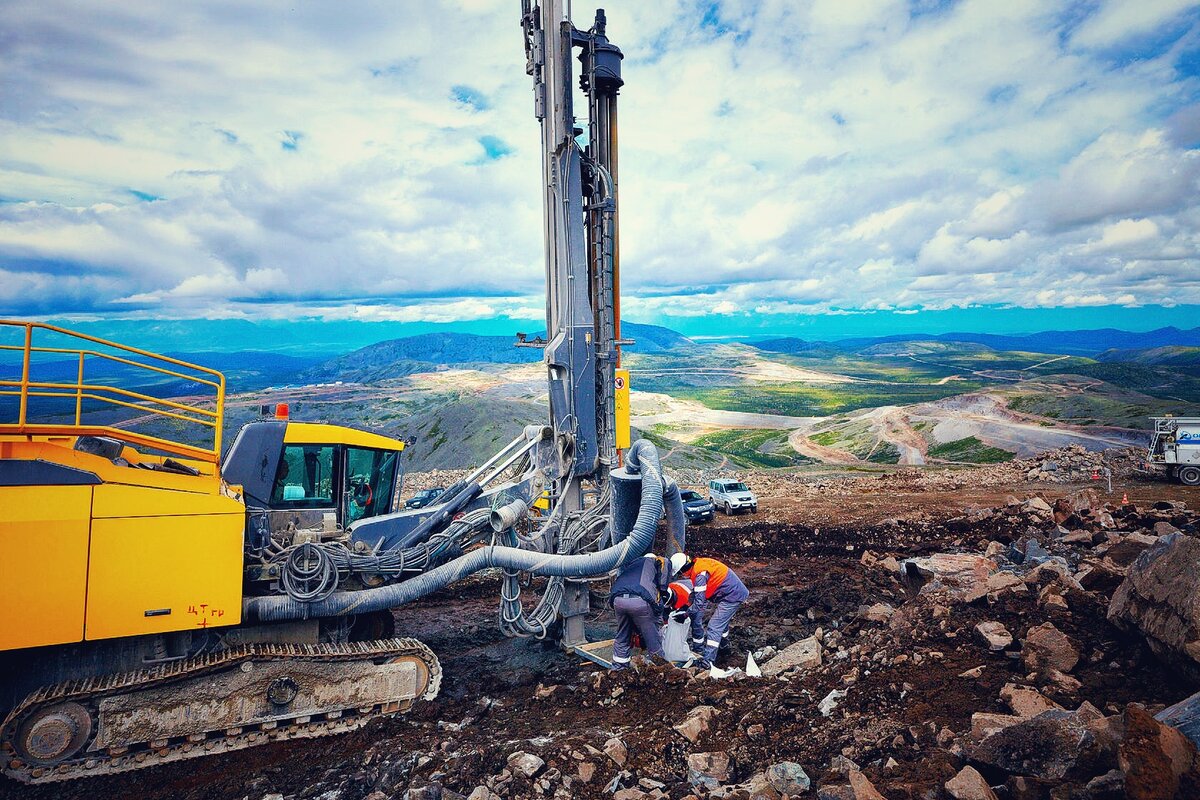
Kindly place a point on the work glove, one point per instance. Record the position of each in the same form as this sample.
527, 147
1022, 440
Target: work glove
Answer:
679, 616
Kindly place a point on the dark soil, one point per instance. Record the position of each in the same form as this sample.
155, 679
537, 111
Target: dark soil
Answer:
900, 719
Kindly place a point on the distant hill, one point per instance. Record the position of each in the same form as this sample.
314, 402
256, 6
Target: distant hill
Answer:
1169, 356
400, 357
653, 338
1086, 343
465, 432
922, 347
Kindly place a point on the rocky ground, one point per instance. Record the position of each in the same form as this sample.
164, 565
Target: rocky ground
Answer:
923, 634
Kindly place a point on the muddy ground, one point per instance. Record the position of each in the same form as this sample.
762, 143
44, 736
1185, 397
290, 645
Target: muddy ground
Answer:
903, 721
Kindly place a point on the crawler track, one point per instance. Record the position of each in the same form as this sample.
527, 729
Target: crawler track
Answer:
101, 726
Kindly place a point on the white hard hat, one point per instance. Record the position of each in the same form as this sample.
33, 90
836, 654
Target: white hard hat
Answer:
677, 562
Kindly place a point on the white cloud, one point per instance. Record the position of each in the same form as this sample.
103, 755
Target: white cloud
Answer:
256, 158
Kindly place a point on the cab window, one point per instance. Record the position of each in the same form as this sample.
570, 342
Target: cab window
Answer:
305, 477
370, 479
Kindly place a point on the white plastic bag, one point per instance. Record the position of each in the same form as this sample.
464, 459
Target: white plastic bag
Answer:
675, 640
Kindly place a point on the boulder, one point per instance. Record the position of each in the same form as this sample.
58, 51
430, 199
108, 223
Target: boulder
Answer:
1158, 761
962, 575
526, 764
697, 723
830, 701
984, 724
1054, 745
1047, 648
841, 765
1160, 596
1122, 553
994, 635
804, 654
968, 784
788, 777
880, 612
709, 770
615, 749
1026, 703
1037, 506
632, 793
863, 788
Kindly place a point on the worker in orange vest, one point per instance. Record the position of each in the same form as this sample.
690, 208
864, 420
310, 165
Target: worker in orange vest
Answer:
713, 582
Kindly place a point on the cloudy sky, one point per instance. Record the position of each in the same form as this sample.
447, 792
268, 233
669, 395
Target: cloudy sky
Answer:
779, 159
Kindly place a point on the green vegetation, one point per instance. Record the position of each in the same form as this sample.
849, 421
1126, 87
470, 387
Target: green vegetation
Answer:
885, 453
1163, 382
971, 451
753, 448
802, 400
1098, 404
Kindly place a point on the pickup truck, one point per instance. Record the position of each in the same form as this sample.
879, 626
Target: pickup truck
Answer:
731, 496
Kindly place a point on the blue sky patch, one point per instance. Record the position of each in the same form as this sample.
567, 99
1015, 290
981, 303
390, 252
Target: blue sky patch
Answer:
145, 197
470, 96
999, 95
494, 147
291, 140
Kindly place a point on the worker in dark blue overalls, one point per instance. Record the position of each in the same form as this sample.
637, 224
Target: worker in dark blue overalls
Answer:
637, 594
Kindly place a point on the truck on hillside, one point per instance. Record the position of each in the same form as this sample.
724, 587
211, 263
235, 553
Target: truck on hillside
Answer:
1175, 447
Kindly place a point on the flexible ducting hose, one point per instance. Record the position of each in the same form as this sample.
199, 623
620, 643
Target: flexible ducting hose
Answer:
676, 521
642, 457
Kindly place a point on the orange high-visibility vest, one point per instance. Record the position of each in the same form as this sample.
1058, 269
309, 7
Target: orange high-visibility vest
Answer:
683, 593
716, 573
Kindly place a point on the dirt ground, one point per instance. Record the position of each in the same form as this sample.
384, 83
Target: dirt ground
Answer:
907, 709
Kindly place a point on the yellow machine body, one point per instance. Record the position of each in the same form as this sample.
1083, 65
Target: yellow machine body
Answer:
621, 408
136, 552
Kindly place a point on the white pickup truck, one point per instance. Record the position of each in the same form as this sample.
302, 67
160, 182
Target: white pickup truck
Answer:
731, 496
1175, 447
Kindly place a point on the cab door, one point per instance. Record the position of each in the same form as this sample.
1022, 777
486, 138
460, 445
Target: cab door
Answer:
308, 488
370, 483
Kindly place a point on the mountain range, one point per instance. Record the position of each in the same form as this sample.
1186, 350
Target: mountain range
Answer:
1079, 343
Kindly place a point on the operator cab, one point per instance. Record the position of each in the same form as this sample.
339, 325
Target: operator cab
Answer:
314, 476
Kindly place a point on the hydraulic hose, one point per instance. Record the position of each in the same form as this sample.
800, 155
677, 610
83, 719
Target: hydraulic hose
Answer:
642, 457
676, 521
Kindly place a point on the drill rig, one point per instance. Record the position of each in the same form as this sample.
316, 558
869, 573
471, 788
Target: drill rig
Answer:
165, 602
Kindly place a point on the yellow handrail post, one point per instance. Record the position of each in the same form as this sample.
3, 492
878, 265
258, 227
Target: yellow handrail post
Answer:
187, 409
24, 402
79, 392
220, 420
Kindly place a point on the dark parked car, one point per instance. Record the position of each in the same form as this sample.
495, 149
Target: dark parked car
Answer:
696, 506
424, 497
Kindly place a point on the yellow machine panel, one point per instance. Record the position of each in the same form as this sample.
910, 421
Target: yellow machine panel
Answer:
621, 408
324, 433
157, 572
122, 500
43, 564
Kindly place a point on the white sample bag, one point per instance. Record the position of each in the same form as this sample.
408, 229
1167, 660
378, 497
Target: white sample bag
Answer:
675, 640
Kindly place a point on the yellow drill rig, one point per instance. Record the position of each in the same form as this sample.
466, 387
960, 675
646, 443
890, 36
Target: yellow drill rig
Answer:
164, 600
127, 556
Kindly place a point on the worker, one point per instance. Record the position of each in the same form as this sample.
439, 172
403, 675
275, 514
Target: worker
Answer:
637, 593
678, 598
713, 582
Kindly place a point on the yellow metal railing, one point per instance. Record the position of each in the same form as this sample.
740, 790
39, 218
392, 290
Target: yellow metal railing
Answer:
188, 410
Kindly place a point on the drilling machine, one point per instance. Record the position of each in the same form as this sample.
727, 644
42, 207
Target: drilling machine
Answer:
165, 602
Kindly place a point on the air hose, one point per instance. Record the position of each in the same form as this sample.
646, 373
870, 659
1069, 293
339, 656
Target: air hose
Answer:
641, 458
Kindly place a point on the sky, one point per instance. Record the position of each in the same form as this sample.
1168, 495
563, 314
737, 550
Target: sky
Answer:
782, 163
